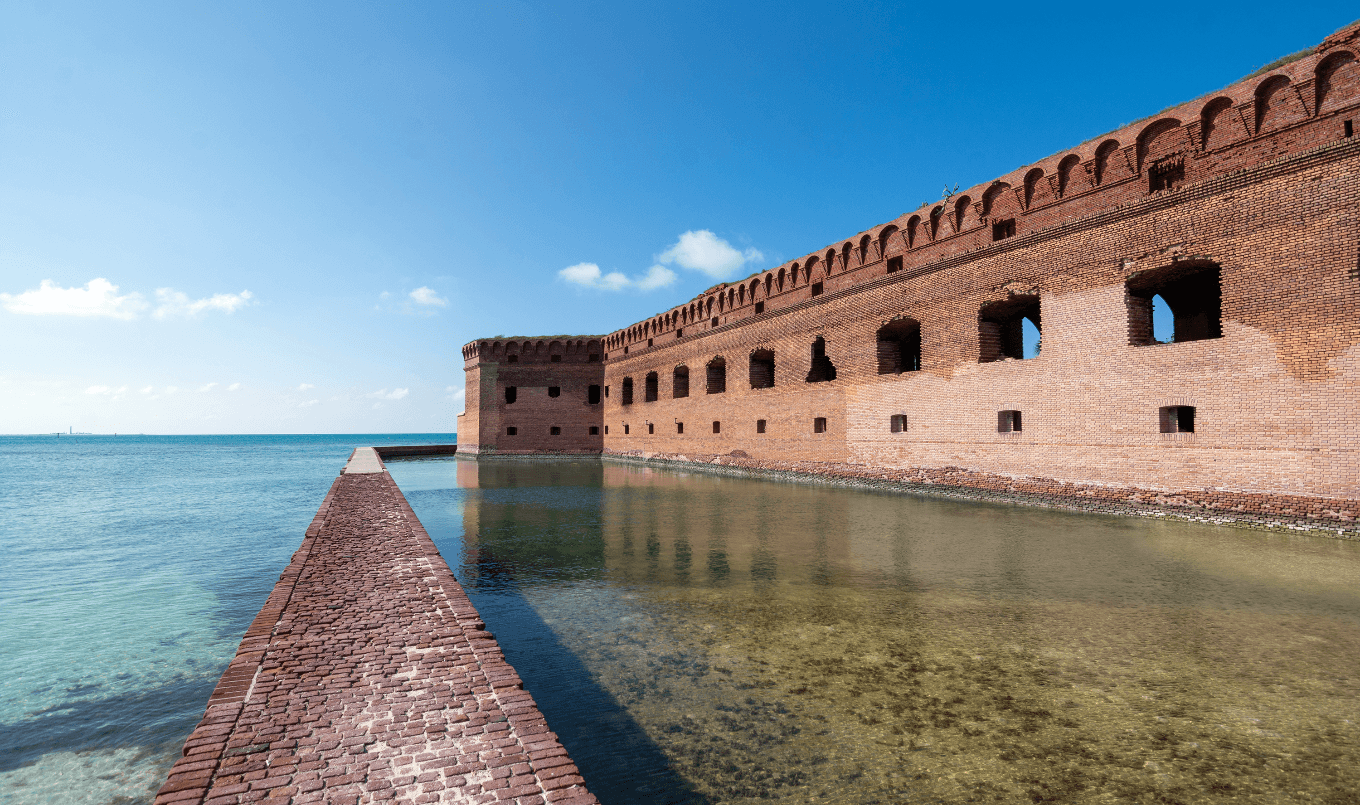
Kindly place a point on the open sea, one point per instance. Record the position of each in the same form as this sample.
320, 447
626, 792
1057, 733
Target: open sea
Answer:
131, 567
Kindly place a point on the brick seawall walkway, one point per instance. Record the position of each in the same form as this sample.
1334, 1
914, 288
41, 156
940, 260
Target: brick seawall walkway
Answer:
368, 677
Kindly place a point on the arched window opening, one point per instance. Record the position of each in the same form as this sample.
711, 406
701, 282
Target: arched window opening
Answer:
1337, 80
779, 283
1103, 159
822, 369
1001, 329
762, 369
650, 387
680, 382
899, 347
1068, 164
1032, 180
1192, 298
717, 376
627, 395
864, 250
1271, 101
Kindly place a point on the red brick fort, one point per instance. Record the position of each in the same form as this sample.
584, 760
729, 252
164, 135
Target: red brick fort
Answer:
899, 348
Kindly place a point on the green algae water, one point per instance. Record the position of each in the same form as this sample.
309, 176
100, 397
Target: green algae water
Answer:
705, 639
130, 568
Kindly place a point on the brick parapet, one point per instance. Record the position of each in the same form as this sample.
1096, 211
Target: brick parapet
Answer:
475, 735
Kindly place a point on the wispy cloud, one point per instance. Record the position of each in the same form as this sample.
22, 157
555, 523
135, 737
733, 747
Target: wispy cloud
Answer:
98, 299
384, 394
428, 297
305, 386
704, 251
234, 387
107, 391
207, 387
699, 250
308, 404
171, 303
589, 275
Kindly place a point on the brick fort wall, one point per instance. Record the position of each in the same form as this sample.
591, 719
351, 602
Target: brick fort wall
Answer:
902, 347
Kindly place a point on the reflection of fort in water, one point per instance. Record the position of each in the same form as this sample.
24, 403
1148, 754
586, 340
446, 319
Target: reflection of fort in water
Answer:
818, 643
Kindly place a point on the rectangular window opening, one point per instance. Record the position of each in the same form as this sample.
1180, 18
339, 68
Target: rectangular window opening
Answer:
760, 426
555, 359
714, 323
1007, 421
554, 431
594, 357
679, 427
625, 430
717, 427
679, 332
512, 359
894, 264
1350, 130
595, 430
819, 425
606, 392
511, 394
1166, 176
649, 342
651, 428
1175, 303
512, 431
1011, 328
760, 308
593, 395
816, 289
898, 423
606, 430
1177, 418
554, 391
1003, 229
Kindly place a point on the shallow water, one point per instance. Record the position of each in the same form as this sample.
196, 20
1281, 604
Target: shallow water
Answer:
131, 567
708, 639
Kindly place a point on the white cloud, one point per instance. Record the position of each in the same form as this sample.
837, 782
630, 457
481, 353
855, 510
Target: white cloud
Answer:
234, 387
171, 389
305, 386
99, 298
706, 252
384, 394
148, 389
207, 387
308, 404
699, 250
174, 303
589, 275
428, 296
113, 393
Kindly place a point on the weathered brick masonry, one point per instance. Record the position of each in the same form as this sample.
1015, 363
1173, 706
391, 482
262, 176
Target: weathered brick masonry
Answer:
368, 676
899, 348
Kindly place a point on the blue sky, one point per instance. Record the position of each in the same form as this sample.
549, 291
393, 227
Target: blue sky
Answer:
223, 218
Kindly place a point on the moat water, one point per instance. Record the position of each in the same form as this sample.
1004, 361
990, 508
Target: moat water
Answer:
703, 639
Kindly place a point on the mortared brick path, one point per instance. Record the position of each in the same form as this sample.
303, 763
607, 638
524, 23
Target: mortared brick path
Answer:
368, 676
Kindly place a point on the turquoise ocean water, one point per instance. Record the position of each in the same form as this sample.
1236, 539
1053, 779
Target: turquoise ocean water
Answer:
131, 566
